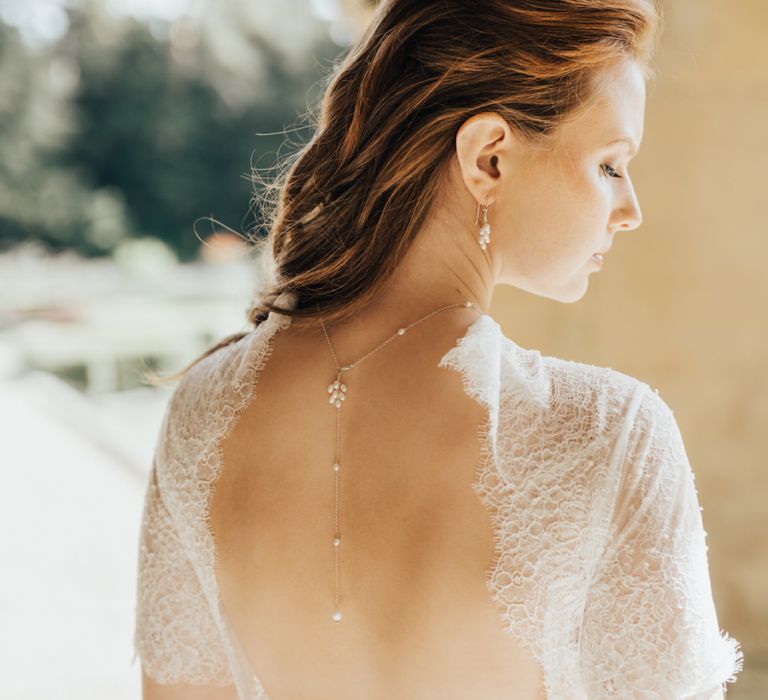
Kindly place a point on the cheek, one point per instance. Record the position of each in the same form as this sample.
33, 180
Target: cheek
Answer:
573, 208
585, 204
555, 217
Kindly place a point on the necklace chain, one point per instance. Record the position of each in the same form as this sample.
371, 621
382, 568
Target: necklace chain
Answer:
338, 393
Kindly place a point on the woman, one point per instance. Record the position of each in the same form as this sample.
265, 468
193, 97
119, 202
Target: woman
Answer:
375, 493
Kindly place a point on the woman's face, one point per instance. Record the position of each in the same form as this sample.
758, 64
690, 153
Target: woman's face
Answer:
552, 206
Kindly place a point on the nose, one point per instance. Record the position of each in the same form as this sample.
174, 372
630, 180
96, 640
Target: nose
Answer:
630, 224
629, 217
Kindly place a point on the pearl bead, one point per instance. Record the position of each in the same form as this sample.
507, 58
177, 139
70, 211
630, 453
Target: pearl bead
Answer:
336, 467
336, 541
337, 615
467, 304
401, 331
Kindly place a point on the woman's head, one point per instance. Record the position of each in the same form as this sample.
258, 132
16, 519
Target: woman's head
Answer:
556, 201
432, 84
442, 104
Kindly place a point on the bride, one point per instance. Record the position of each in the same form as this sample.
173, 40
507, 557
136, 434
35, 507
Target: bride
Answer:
375, 492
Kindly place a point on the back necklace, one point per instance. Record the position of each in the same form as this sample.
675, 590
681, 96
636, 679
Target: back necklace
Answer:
338, 392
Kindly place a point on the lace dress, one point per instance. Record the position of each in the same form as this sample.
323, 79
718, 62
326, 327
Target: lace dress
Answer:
600, 567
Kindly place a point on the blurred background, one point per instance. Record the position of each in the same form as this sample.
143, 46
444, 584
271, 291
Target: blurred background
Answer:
129, 132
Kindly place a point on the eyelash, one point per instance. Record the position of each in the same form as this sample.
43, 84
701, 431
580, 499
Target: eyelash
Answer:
615, 174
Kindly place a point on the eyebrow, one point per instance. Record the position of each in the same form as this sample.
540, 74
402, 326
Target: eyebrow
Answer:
625, 139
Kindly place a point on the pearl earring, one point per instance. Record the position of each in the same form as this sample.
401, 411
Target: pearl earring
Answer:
484, 238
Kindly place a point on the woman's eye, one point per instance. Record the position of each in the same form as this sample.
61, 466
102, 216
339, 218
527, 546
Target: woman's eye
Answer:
608, 170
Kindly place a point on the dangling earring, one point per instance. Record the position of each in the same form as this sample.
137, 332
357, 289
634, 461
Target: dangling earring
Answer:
484, 237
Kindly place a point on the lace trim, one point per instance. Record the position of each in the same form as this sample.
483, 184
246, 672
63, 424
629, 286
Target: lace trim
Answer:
482, 383
243, 388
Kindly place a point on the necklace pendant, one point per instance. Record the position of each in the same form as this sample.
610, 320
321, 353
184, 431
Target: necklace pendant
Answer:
337, 391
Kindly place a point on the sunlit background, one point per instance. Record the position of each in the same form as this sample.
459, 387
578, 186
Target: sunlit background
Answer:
129, 135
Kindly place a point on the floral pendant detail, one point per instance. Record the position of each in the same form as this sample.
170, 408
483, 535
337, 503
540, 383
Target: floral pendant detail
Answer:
337, 391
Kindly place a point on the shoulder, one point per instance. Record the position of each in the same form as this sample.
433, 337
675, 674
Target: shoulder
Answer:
655, 449
201, 404
211, 373
199, 411
593, 397
213, 387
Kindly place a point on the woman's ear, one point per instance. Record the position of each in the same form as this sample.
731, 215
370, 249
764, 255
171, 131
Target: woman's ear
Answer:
485, 147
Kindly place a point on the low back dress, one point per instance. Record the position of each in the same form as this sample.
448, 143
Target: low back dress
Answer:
600, 566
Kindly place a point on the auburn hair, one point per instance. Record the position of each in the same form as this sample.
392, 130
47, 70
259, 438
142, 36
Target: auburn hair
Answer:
345, 208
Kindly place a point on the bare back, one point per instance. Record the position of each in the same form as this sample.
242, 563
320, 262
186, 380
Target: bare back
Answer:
416, 540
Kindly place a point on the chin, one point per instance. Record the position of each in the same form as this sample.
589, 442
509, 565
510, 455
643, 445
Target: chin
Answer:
574, 293
568, 293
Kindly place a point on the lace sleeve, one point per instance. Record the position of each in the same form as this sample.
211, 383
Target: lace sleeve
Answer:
650, 628
175, 633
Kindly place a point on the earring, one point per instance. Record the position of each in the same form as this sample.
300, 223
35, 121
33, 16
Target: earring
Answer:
485, 230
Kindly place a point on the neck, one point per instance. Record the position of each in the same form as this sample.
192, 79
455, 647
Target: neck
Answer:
439, 270
443, 266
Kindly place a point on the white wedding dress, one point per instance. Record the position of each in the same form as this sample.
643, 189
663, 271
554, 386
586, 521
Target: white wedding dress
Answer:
601, 566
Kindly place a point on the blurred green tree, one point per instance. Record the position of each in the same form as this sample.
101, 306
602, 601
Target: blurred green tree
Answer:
39, 200
147, 142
